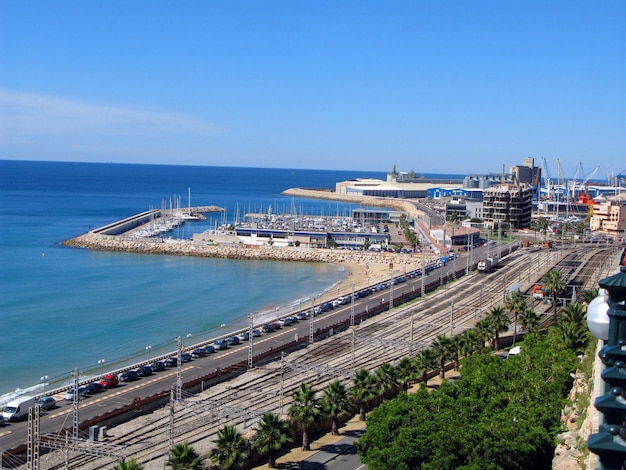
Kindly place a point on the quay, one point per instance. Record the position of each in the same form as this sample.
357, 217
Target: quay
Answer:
118, 237
130, 223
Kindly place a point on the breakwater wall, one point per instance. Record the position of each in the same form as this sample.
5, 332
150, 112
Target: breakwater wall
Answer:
94, 241
372, 201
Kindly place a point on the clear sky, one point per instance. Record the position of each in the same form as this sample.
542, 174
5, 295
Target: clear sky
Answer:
434, 86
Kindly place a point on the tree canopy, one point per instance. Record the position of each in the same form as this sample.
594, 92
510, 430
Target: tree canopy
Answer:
504, 414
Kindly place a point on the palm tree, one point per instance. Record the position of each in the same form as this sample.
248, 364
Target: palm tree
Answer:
470, 342
529, 319
499, 321
556, 284
231, 449
272, 433
573, 313
130, 465
443, 351
183, 457
405, 372
425, 361
516, 304
385, 378
305, 411
362, 390
588, 295
484, 333
576, 336
335, 402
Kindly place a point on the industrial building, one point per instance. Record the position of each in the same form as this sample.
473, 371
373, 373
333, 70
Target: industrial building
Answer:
510, 204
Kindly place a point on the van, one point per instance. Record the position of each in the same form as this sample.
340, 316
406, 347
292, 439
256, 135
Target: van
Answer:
109, 381
18, 409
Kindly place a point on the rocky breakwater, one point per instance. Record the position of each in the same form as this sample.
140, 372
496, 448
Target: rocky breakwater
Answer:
368, 260
372, 201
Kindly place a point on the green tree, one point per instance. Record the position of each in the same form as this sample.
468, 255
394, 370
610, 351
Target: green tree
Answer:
231, 449
516, 304
386, 380
498, 320
541, 224
183, 457
503, 415
334, 403
405, 372
272, 433
443, 350
588, 295
305, 411
128, 465
554, 282
425, 361
485, 333
529, 319
362, 390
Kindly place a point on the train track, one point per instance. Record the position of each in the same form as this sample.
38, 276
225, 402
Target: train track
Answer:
383, 338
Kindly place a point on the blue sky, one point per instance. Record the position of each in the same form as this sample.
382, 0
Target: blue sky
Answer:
431, 86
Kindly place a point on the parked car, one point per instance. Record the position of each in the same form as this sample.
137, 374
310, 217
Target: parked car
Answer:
268, 328
157, 366
256, 332
144, 371
233, 340
170, 362
243, 336
185, 357
69, 395
46, 403
209, 349
93, 388
129, 376
198, 352
220, 344
109, 381
301, 315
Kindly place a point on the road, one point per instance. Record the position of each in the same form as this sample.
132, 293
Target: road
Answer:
15, 434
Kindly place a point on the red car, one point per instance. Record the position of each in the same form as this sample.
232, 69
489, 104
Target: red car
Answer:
109, 381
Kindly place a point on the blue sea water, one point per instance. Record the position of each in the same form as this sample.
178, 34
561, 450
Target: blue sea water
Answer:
62, 308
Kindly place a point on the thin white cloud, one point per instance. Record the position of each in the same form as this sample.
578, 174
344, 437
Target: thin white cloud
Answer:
29, 114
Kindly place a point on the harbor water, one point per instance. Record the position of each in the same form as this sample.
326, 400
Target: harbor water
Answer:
63, 308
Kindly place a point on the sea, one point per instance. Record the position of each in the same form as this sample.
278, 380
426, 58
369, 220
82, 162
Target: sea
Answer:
63, 308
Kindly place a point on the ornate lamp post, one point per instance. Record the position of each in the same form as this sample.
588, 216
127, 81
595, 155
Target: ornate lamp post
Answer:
610, 442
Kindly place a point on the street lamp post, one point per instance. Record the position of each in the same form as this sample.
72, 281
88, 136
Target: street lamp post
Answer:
44, 379
188, 335
101, 364
148, 348
609, 442
222, 326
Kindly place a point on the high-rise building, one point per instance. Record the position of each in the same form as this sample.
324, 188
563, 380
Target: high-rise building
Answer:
508, 204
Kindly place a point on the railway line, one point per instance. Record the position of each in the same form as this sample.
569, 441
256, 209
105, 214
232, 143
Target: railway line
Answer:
386, 337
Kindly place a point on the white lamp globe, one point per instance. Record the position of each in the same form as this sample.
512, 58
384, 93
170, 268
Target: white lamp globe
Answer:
598, 317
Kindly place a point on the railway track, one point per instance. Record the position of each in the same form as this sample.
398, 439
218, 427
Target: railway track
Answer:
383, 338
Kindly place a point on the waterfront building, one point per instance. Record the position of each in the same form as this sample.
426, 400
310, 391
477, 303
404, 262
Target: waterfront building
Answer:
455, 237
510, 204
609, 217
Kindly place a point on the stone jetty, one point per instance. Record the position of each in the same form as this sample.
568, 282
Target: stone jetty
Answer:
94, 241
97, 240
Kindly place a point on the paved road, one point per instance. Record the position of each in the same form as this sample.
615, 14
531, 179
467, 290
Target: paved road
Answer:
338, 456
15, 434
